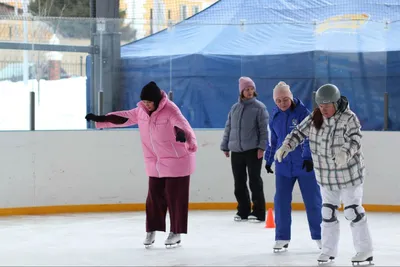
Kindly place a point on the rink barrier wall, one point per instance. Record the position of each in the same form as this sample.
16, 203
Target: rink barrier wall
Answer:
98, 208
49, 172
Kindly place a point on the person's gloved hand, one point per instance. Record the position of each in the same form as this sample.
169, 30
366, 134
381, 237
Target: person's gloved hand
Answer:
92, 117
268, 168
281, 153
308, 165
341, 159
180, 135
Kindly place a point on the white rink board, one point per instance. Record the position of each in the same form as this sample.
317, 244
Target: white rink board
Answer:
47, 168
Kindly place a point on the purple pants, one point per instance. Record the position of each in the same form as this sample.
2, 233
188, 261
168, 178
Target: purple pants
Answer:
172, 194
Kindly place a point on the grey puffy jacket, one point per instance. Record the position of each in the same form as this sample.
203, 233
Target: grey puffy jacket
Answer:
246, 127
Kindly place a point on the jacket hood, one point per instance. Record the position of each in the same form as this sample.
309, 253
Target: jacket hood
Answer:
343, 104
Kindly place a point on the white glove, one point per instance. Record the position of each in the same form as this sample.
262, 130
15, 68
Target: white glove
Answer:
281, 153
341, 159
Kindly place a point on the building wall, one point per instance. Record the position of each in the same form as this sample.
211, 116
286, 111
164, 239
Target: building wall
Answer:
158, 13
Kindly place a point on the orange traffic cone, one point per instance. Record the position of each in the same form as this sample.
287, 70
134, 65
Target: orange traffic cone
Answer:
270, 222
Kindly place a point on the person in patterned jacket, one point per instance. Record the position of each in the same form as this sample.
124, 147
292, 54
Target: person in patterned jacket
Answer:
334, 134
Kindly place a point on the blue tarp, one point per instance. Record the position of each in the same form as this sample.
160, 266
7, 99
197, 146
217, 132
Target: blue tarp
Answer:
306, 43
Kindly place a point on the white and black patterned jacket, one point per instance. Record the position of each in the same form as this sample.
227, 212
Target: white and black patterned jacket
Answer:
341, 132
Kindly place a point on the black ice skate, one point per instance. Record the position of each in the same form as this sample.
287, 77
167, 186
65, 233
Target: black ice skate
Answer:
323, 258
150, 238
362, 257
281, 246
173, 239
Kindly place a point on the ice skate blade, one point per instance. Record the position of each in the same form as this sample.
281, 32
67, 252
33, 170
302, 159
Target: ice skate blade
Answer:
254, 221
322, 262
325, 262
283, 249
175, 245
279, 250
147, 245
368, 261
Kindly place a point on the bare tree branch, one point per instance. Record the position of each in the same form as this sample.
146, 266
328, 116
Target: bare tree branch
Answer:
61, 14
51, 5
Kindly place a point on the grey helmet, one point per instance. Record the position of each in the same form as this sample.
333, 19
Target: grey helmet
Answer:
327, 93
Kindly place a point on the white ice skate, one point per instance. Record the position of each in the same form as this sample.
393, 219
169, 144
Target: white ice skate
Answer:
319, 243
150, 238
362, 257
173, 239
323, 258
253, 218
281, 245
237, 218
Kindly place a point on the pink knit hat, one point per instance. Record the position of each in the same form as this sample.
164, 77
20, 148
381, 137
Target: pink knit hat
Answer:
245, 82
282, 90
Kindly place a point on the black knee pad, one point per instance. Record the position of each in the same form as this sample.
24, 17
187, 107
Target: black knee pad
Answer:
329, 212
354, 213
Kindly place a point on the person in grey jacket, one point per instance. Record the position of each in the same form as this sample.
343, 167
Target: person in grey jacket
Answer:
334, 133
245, 138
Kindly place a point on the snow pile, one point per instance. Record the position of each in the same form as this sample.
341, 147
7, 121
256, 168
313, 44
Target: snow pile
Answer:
60, 104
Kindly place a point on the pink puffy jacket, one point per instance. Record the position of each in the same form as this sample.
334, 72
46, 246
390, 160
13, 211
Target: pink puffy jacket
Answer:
163, 155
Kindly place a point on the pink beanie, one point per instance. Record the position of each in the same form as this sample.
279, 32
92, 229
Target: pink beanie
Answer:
245, 82
282, 90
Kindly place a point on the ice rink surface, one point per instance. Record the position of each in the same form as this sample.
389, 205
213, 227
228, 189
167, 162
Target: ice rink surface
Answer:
214, 239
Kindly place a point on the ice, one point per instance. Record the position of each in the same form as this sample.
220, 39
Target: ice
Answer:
214, 239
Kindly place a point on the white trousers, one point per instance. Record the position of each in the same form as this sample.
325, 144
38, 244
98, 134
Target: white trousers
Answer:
351, 196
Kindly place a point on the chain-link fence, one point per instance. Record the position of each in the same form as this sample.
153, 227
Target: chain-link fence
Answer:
69, 23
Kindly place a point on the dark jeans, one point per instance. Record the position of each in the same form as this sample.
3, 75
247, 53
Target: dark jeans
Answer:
172, 194
241, 163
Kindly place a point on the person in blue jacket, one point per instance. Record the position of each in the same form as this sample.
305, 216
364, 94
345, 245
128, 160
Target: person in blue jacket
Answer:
297, 166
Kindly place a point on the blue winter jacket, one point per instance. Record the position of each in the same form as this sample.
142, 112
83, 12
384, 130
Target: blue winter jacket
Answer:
281, 124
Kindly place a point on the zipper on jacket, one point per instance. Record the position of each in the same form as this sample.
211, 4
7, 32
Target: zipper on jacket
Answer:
286, 125
240, 129
152, 145
176, 152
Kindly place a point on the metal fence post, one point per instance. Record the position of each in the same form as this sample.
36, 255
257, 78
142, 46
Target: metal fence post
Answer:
385, 111
171, 96
100, 99
32, 109
81, 65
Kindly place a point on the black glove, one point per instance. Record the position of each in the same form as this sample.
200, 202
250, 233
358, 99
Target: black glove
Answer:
268, 168
308, 164
92, 117
180, 135
109, 118
116, 119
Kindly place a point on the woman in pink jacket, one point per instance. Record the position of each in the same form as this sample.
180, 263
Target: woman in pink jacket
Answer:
169, 145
